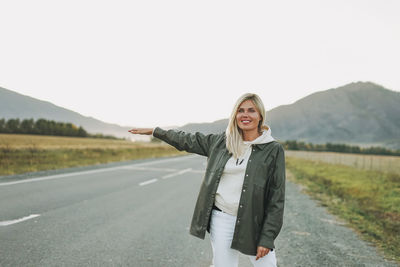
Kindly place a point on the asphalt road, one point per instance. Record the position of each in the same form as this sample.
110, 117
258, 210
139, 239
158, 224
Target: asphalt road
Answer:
138, 214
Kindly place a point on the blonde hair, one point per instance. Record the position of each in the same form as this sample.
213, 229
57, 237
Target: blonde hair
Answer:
234, 135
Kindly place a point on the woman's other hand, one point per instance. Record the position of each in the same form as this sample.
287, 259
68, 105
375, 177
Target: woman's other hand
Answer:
147, 131
261, 252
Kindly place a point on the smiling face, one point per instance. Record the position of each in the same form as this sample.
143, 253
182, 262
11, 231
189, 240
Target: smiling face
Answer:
248, 117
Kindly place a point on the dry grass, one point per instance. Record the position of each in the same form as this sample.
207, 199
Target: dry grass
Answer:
388, 164
30, 153
26, 141
368, 200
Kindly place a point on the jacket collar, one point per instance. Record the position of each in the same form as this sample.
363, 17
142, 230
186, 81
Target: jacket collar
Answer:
262, 146
263, 140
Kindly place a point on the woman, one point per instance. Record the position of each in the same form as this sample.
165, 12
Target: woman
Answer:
241, 199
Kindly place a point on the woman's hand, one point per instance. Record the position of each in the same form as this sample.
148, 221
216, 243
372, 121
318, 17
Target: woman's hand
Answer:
147, 131
261, 252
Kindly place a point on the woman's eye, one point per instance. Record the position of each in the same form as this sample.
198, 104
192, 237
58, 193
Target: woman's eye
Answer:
249, 110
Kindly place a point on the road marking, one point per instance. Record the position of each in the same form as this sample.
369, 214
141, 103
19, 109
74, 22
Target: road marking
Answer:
150, 169
59, 176
5, 223
148, 182
176, 173
160, 169
165, 177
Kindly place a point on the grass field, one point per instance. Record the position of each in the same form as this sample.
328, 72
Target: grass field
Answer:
25, 141
382, 163
368, 199
29, 153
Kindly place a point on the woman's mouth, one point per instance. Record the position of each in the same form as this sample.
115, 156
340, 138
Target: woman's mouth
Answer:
245, 121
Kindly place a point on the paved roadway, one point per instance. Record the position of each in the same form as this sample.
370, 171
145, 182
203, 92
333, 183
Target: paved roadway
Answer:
138, 214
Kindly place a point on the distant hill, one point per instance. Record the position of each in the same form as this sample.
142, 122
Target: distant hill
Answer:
361, 113
15, 105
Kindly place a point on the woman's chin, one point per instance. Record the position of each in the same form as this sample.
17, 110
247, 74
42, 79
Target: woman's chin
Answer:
247, 128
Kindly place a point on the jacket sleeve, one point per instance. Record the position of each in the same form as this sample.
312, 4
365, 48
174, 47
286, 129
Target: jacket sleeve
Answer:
275, 200
194, 143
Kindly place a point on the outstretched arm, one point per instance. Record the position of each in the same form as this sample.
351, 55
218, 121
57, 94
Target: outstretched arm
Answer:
146, 131
194, 143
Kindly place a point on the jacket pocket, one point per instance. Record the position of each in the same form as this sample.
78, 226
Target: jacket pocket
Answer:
258, 210
258, 200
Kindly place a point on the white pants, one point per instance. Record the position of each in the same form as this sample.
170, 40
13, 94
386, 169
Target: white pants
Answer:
222, 226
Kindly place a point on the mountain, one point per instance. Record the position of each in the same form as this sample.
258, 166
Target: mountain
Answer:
15, 105
361, 113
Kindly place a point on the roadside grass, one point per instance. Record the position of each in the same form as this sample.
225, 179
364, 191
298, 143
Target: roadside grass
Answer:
26, 153
29, 141
381, 163
368, 200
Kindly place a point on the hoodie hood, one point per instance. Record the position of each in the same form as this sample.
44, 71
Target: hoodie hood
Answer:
265, 137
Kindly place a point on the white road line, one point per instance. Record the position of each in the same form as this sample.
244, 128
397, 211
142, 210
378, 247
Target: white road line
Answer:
176, 173
159, 169
58, 176
150, 169
148, 182
165, 176
5, 223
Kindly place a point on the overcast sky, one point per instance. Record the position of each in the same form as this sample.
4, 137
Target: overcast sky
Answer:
160, 63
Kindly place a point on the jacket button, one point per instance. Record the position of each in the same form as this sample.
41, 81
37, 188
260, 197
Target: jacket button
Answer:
249, 160
241, 206
244, 190
247, 175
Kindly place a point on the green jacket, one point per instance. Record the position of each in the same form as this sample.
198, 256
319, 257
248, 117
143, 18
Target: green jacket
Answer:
260, 212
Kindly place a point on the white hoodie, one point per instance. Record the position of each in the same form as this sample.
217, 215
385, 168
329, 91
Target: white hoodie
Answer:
230, 186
